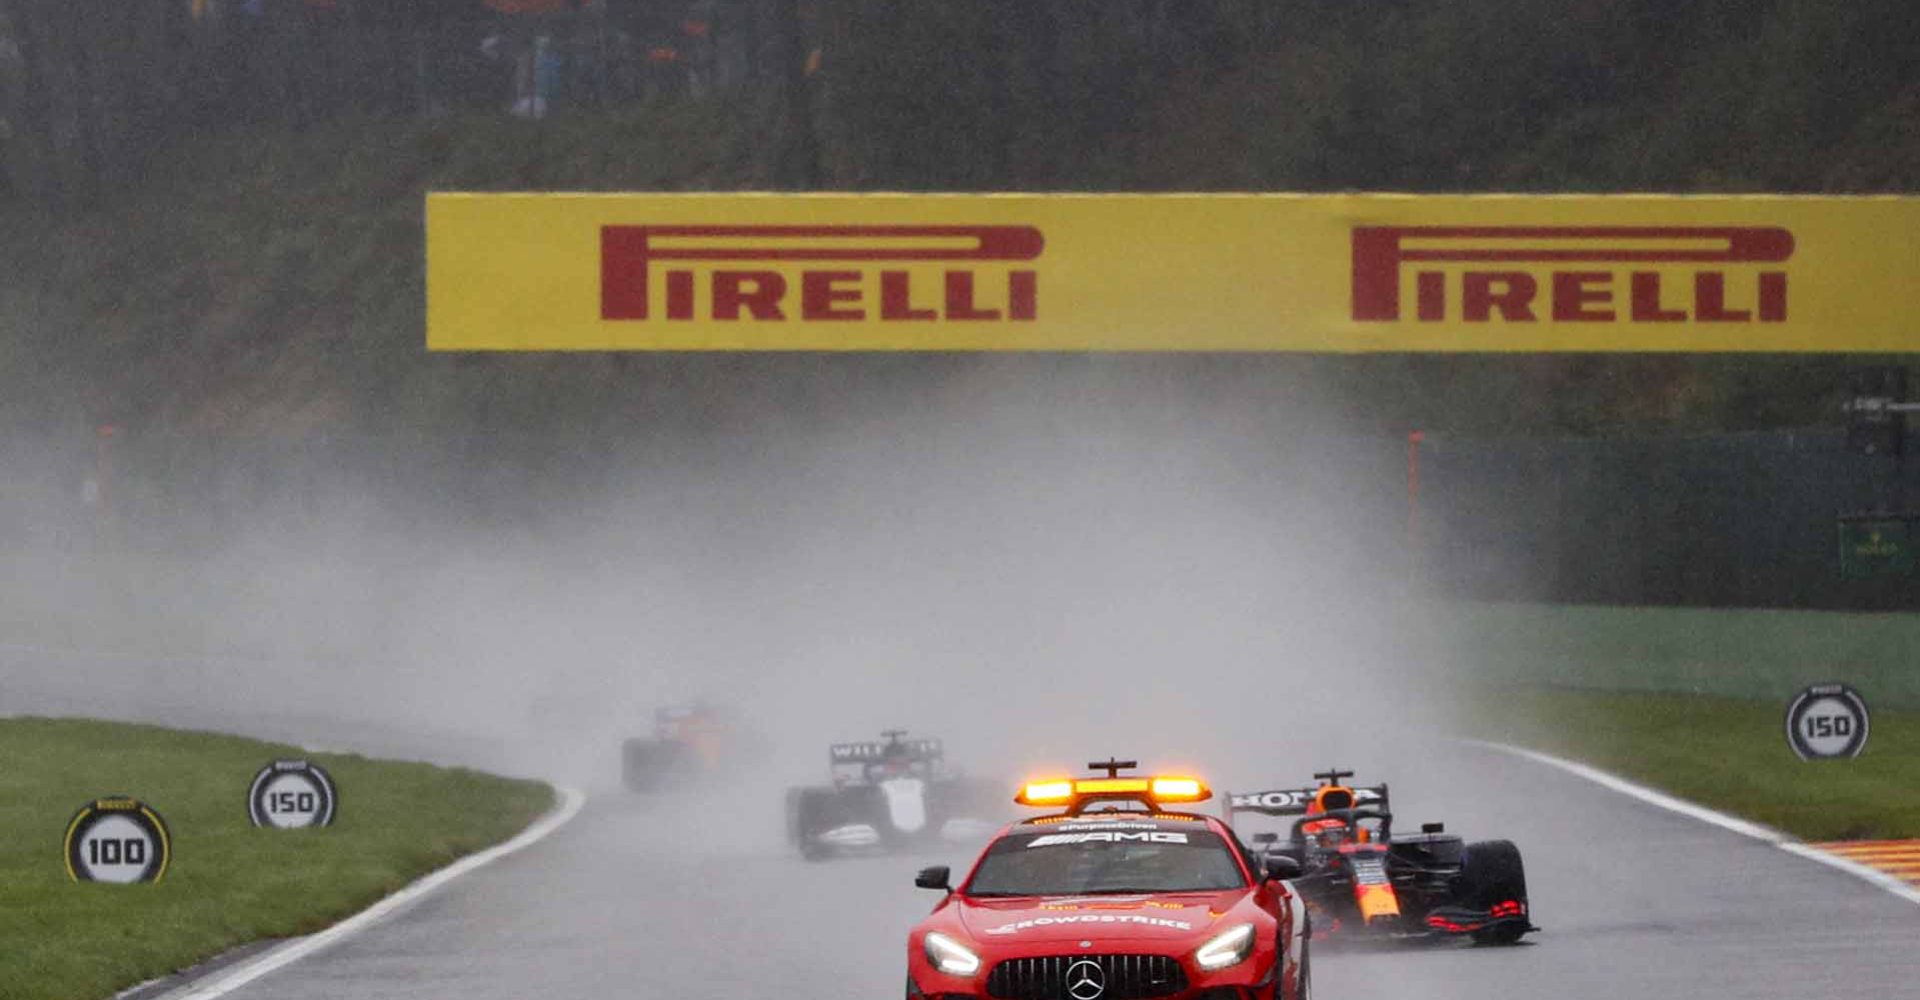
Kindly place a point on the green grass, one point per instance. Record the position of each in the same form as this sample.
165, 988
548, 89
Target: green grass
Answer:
1763, 655
1727, 753
229, 883
1692, 701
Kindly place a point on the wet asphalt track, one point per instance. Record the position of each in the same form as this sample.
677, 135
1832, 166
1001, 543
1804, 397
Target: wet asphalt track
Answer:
639, 898
688, 897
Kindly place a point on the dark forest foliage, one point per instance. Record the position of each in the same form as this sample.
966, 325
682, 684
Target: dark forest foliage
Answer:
211, 207
1788, 95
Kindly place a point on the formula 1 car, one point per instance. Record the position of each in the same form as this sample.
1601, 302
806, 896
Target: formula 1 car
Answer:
888, 794
1358, 874
689, 742
1113, 897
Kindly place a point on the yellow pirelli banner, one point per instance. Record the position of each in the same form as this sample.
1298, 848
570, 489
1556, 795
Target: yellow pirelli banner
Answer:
1324, 273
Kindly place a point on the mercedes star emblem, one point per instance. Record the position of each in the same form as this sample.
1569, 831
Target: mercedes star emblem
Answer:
1085, 981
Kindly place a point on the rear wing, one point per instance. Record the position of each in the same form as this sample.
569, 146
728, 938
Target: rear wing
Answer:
872, 751
1294, 801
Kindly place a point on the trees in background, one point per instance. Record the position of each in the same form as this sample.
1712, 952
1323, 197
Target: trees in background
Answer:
91, 90
100, 97
998, 94
86, 90
1436, 95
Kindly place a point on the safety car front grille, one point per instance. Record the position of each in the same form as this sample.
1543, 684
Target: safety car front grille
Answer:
1121, 977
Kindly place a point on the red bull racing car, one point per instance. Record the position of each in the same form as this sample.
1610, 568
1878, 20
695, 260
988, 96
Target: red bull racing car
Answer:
1360, 876
1114, 895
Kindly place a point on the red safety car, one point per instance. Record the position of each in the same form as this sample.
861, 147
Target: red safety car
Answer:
1115, 896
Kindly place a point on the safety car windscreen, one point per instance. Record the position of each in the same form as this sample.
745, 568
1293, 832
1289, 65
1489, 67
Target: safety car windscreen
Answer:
1066, 861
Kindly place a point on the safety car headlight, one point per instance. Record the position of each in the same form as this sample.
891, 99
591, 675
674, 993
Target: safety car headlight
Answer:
1229, 947
953, 958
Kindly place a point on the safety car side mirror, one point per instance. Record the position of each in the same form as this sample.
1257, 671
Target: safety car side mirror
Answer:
1281, 867
935, 877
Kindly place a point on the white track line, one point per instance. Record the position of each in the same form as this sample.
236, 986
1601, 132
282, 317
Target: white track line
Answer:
1892, 884
227, 980
1735, 824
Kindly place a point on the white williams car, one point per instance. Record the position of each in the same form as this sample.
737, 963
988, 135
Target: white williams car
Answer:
888, 794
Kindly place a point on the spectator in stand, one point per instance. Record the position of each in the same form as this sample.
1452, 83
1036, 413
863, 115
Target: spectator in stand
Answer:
546, 74
696, 47
664, 75
536, 65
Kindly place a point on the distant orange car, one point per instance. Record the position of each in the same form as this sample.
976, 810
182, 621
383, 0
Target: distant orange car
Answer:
688, 742
1358, 876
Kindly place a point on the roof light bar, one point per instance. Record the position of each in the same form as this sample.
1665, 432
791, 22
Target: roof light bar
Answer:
1066, 791
1045, 793
1179, 790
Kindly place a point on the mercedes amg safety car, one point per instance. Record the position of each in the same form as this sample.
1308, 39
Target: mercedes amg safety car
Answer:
1359, 875
1115, 896
889, 793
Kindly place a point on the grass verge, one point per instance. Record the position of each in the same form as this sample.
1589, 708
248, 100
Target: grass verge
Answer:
229, 883
1727, 753
1757, 654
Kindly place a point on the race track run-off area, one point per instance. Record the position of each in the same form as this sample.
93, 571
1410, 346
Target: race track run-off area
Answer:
638, 897
1898, 858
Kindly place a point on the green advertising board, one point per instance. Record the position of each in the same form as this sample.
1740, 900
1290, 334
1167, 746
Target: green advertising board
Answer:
1875, 545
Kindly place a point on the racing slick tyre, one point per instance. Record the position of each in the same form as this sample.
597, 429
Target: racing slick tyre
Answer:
810, 813
1491, 873
792, 814
644, 764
